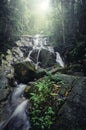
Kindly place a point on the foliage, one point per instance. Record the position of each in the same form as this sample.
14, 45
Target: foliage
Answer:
78, 129
63, 21
43, 112
55, 78
77, 54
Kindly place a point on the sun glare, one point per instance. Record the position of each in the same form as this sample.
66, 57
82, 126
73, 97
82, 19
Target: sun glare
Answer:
43, 6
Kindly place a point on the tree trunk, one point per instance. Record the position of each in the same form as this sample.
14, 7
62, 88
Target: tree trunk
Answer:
63, 25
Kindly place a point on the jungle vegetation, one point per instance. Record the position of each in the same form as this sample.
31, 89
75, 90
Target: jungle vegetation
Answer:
64, 21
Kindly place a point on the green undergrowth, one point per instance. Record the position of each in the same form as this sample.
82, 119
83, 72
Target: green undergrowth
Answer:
43, 113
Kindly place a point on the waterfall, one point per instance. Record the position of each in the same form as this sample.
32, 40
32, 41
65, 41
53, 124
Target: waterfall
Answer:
18, 120
39, 43
36, 65
59, 59
16, 95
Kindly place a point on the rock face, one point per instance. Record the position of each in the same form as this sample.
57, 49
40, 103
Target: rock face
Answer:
72, 115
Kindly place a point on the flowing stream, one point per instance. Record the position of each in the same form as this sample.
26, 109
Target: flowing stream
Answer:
18, 119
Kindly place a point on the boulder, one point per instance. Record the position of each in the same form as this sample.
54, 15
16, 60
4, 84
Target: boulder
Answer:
72, 114
24, 71
47, 59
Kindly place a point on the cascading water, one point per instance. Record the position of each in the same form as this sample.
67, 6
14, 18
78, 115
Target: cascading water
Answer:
39, 43
59, 59
16, 95
18, 119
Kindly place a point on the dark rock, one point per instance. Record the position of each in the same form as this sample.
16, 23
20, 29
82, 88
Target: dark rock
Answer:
25, 50
34, 55
4, 92
44, 57
72, 114
24, 71
40, 73
17, 54
4, 89
47, 58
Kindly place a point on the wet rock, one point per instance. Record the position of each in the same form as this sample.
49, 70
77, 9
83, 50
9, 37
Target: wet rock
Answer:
4, 92
34, 55
4, 89
47, 58
24, 71
18, 119
4, 112
24, 41
25, 50
17, 54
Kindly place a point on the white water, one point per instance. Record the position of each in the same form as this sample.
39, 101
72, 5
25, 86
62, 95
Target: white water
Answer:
18, 120
40, 43
20, 109
59, 59
18, 92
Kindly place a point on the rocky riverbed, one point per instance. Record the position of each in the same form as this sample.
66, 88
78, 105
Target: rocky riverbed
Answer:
22, 64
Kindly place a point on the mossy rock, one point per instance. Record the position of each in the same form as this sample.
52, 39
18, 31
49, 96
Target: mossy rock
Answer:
24, 71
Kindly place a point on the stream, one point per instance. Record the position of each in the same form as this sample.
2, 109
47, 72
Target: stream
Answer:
18, 104
18, 119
